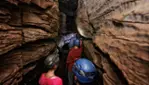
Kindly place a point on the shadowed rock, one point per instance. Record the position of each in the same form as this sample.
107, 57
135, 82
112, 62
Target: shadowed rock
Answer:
11, 64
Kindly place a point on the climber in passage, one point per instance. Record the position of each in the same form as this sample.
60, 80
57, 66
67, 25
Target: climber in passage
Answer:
74, 54
51, 64
66, 39
84, 71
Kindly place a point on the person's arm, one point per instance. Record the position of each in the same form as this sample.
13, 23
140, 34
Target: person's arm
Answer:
69, 57
76, 82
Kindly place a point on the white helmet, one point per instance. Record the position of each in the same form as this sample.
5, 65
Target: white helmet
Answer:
52, 59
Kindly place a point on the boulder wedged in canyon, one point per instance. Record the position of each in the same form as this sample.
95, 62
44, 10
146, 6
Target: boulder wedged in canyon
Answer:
27, 28
120, 29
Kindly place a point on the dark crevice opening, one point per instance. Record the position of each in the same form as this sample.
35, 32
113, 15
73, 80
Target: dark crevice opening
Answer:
68, 10
118, 24
32, 77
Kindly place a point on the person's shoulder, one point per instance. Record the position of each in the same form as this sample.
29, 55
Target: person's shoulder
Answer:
58, 81
58, 78
42, 75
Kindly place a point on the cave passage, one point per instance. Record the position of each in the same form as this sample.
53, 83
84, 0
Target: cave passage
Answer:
115, 36
67, 25
30, 79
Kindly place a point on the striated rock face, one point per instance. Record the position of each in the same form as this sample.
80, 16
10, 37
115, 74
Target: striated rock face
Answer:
120, 29
111, 75
92, 53
25, 27
11, 64
41, 3
10, 38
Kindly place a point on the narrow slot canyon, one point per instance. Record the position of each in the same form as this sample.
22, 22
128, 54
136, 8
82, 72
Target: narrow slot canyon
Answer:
115, 36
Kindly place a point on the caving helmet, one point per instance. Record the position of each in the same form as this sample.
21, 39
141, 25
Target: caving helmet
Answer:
84, 70
66, 39
69, 37
74, 42
52, 60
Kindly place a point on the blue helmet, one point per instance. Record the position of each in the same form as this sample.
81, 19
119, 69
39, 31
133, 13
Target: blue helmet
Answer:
77, 42
84, 70
74, 42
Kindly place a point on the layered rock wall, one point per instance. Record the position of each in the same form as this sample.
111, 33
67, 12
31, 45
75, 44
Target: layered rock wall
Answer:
120, 30
26, 29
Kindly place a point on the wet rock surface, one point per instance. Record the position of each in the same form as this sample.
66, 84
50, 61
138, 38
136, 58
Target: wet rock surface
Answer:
26, 29
120, 30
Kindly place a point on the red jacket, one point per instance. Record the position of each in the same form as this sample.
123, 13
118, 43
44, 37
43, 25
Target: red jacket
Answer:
73, 55
50, 81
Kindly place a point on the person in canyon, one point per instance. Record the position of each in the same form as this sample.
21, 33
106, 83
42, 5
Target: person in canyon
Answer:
84, 71
65, 39
74, 54
51, 64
